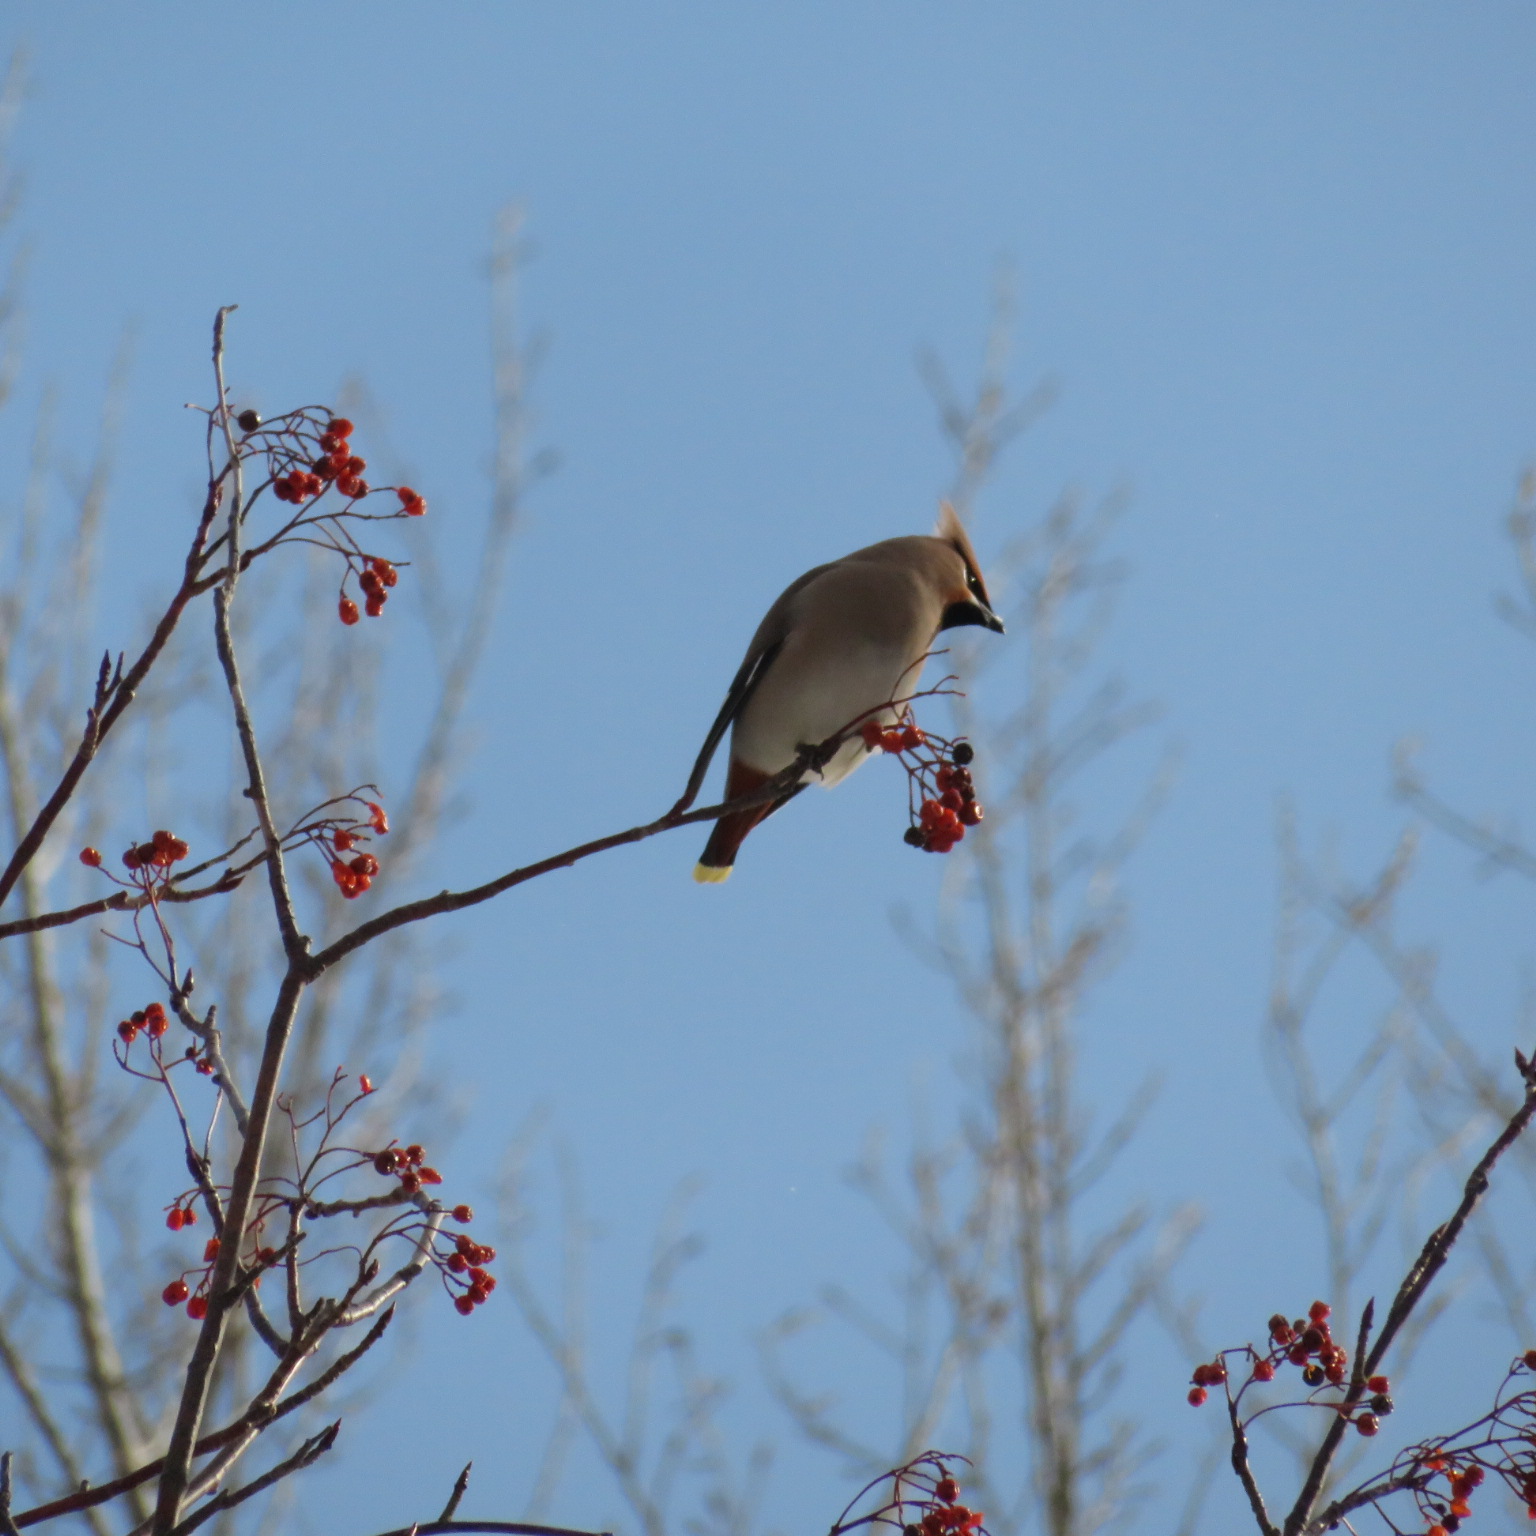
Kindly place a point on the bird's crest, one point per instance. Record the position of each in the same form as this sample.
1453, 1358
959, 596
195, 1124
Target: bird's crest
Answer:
953, 533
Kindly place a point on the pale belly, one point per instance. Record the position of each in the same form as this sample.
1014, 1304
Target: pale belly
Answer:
797, 706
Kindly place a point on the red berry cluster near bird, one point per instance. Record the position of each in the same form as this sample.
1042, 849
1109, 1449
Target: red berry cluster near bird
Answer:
836, 648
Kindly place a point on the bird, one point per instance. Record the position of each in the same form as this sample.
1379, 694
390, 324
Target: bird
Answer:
841, 641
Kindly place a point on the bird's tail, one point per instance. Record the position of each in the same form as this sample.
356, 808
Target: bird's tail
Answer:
728, 834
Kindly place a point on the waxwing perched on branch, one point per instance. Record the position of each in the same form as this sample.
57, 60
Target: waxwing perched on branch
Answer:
842, 640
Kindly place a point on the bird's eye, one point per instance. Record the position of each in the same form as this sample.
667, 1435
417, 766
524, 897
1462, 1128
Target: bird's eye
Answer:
973, 581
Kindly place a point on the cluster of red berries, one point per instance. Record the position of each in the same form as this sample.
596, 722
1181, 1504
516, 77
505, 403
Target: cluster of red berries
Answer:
376, 577
1449, 1515
1306, 1342
946, 1515
354, 876
408, 1165
151, 1020
892, 739
412, 503
160, 852
942, 798
180, 1216
464, 1264
336, 465
1309, 1343
178, 1291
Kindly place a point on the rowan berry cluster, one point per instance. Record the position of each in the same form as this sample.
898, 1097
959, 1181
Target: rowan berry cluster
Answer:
941, 796
1308, 1343
1445, 1472
463, 1267
1447, 1514
376, 576
947, 1514
337, 836
308, 452
151, 1020
196, 1294
923, 1500
160, 852
408, 1164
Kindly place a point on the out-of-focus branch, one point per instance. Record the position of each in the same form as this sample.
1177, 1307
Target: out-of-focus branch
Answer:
257, 1416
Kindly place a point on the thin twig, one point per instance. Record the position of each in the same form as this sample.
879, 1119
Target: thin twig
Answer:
7, 1525
460, 1484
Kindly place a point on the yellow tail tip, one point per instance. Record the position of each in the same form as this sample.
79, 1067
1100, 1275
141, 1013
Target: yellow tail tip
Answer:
711, 874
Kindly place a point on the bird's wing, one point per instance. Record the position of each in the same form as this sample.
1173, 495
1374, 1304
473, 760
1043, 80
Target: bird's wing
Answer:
766, 645
743, 685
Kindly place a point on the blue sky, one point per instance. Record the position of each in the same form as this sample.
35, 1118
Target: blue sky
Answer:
1278, 258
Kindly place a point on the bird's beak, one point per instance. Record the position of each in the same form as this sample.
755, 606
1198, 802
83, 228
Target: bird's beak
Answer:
992, 622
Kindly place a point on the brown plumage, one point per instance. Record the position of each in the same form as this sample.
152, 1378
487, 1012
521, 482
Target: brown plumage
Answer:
840, 641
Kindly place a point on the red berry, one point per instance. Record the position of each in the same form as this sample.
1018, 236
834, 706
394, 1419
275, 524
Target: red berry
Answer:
378, 820
189, 1216
339, 426
128, 1032
370, 581
1378, 1384
342, 840
211, 1251
175, 1293
462, 1213
375, 605
281, 490
870, 731
1197, 1396
359, 488
365, 1083
347, 609
1319, 1310
970, 814
174, 1219
366, 866
429, 1176
206, 1068
90, 857
387, 573
1530, 1359
410, 1183
892, 742
1263, 1371
465, 1304
197, 1308
457, 1263
947, 1489
912, 737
